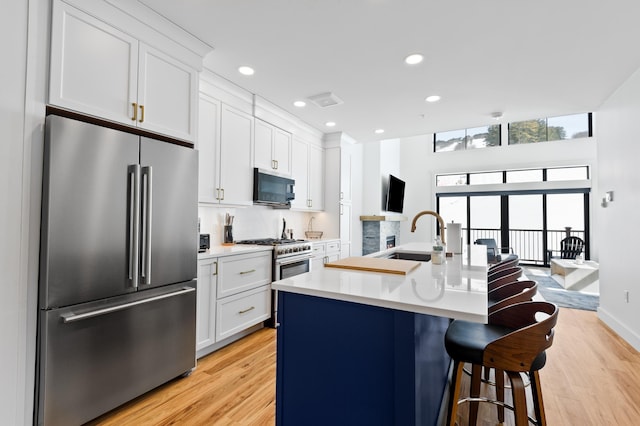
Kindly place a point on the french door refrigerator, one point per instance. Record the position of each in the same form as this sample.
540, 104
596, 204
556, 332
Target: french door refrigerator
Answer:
118, 262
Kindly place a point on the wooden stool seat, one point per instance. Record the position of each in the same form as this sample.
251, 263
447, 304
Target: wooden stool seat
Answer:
513, 342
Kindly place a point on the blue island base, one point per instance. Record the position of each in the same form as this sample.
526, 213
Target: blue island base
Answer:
343, 363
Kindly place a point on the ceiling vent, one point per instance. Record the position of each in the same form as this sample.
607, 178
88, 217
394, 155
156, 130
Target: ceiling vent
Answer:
324, 100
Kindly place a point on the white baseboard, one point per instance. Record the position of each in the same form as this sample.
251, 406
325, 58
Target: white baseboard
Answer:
621, 329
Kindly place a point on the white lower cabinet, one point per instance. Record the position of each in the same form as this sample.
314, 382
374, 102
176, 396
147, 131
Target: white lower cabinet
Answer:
206, 303
323, 252
234, 294
241, 311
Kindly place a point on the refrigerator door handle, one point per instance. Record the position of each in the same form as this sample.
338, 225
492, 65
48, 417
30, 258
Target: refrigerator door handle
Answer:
71, 317
147, 181
134, 223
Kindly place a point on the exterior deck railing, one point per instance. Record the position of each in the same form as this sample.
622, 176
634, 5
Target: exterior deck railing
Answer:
528, 244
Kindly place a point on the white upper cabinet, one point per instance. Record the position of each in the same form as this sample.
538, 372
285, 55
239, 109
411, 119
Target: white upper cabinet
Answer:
316, 178
307, 169
300, 173
167, 94
236, 173
208, 146
272, 148
225, 172
100, 70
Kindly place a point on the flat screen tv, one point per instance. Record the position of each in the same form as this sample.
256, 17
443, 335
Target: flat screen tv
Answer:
395, 195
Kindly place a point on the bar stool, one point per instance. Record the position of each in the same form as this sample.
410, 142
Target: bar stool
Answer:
514, 341
503, 276
511, 293
508, 262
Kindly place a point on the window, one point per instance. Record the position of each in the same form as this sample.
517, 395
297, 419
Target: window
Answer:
524, 176
485, 178
457, 140
554, 174
451, 180
568, 173
550, 129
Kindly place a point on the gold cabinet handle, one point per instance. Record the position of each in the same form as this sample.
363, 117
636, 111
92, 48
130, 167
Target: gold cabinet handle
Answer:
216, 269
222, 189
141, 113
135, 111
247, 272
247, 310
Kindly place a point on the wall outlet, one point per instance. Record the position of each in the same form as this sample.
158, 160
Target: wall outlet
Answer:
626, 296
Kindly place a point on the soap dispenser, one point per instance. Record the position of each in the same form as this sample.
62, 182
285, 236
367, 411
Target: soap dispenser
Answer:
437, 255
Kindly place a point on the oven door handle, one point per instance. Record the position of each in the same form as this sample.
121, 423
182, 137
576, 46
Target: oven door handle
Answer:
297, 259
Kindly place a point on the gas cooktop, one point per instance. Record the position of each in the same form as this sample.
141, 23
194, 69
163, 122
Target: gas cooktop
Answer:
270, 241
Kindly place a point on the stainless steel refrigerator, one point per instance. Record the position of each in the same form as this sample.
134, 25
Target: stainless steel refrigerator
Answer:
118, 262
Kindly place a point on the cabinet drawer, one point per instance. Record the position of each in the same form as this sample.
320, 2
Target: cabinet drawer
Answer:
319, 249
243, 272
333, 246
241, 311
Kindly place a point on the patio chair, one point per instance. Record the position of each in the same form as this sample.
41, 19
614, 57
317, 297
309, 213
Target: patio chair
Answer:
494, 253
570, 247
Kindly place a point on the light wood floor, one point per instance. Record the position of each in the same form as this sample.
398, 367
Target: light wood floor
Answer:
592, 377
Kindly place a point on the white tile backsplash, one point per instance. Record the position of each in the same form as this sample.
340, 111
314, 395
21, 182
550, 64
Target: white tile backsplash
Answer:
251, 222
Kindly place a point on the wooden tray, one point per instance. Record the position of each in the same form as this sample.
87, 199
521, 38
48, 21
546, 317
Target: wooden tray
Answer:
373, 264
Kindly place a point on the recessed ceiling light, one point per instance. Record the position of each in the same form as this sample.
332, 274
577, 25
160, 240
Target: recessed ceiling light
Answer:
300, 104
330, 123
413, 59
245, 70
432, 98
379, 131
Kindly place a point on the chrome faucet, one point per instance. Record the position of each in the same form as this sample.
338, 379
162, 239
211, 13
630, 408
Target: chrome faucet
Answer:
432, 213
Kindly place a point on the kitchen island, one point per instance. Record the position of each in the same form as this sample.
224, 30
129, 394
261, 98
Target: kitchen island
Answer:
359, 347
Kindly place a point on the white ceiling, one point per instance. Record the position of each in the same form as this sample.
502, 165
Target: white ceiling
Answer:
527, 59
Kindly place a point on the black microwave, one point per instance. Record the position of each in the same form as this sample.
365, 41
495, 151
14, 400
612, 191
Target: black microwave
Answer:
272, 190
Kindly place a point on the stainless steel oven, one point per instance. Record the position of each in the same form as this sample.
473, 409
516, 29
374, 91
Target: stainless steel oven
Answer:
289, 266
290, 258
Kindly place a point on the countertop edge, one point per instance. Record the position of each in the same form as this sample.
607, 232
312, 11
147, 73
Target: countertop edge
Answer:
446, 313
221, 251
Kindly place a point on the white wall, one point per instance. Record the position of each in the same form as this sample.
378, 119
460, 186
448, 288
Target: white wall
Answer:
420, 165
23, 38
619, 228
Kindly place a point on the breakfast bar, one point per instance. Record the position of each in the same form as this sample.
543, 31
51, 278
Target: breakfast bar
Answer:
359, 347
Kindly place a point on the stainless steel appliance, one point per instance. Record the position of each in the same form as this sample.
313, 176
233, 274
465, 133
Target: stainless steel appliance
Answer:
117, 290
290, 258
272, 190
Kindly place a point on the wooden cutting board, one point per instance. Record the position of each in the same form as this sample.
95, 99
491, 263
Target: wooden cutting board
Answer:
373, 264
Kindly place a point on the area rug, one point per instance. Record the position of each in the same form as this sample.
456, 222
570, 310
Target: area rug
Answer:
553, 292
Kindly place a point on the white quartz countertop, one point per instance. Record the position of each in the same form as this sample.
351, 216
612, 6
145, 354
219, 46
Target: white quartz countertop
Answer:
220, 250
456, 289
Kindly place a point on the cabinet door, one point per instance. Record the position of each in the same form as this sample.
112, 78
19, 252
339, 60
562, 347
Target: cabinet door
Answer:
167, 95
263, 136
316, 177
207, 145
345, 175
345, 222
299, 172
206, 306
236, 170
282, 151
94, 67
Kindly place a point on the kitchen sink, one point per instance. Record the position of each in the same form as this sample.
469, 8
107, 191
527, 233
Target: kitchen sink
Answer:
422, 257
